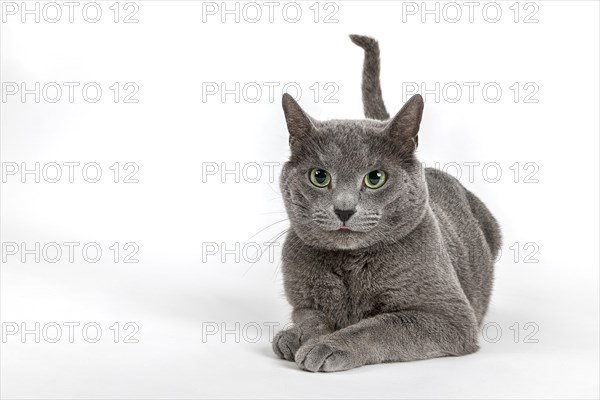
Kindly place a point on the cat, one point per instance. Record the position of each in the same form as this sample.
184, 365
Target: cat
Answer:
385, 260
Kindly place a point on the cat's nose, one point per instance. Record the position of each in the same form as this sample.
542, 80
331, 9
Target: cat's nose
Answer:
344, 215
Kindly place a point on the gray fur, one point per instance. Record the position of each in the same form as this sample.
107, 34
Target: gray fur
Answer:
411, 279
371, 86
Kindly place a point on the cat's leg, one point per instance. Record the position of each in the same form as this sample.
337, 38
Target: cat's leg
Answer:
308, 324
401, 336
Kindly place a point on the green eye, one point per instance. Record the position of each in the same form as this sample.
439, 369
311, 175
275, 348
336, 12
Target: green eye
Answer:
375, 179
319, 177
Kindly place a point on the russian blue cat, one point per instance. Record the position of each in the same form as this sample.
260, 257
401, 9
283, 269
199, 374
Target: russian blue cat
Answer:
385, 260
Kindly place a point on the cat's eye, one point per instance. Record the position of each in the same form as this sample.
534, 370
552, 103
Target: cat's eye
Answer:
375, 179
319, 177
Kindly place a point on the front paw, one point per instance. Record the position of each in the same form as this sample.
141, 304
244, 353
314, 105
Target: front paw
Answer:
286, 343
324, 356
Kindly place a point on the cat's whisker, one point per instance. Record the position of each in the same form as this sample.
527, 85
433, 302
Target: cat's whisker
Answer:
265, 228
276, 272
276, 191
271, 242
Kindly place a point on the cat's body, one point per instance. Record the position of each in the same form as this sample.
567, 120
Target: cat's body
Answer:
407, 273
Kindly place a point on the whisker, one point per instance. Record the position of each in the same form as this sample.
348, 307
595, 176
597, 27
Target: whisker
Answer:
274, 190
265, 228
272, 241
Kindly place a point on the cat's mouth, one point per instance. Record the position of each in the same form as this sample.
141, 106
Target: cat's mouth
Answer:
346, 230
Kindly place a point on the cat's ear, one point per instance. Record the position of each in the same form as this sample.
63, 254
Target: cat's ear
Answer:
299, 123
404, 127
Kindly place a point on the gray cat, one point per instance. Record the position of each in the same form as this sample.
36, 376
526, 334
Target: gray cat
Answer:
385, 260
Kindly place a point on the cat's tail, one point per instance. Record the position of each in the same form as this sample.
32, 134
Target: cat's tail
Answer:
371, 87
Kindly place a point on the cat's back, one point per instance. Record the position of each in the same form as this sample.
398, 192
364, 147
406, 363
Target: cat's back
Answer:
447, 194
451, 201
470, 233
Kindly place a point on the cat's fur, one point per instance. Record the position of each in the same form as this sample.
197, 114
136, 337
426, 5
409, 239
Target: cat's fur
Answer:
413, 277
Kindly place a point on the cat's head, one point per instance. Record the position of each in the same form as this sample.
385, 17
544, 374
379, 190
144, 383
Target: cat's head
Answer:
350, 184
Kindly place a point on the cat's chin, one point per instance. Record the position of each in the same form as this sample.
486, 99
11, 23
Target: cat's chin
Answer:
347, 239
337, 239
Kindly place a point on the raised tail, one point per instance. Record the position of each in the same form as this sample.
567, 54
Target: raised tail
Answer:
371, 86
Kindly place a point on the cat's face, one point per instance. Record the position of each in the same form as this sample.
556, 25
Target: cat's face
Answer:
352, 184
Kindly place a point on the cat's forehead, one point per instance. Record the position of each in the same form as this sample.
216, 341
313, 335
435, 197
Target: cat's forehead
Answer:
349, 142
358, 126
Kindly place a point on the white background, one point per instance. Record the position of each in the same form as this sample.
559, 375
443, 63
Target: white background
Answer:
179, 292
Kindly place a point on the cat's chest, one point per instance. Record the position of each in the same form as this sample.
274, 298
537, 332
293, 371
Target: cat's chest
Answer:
352, 287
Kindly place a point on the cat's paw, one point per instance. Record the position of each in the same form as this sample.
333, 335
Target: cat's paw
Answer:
322, 356
286, 343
